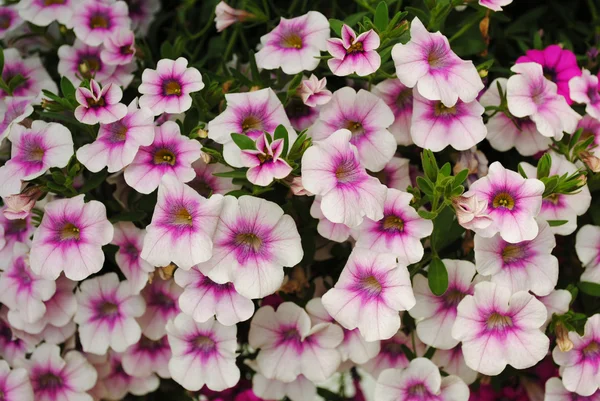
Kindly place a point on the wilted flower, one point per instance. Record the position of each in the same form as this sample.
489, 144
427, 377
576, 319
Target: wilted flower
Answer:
313, 91
471, 212
19, 206
225, 15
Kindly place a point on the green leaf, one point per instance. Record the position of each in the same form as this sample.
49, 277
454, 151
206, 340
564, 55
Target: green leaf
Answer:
59, 178
408, 352
1, 60
557, 223
67, 88
281, 133
16, 81
243, 142
417, 12
232, 174
437, 276
328, 395
382, 16
425, 185
486, 65
446, 169
588, 288
353, 19
134, 215
94, 181
521, 171
336, 25
237, 193
544, 165
429, 165
427, 214
460, 178
446, 229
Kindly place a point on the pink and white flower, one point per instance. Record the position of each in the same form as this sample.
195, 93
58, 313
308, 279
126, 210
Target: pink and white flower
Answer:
266, 162
301, 116
367, 117
207, 183
556, 391
399, 232
313, 91
130, 239
182, 227
353, 54
13, 110
522, 266
530, 94
250, 114
513, 203
14, 344
558, 301
399, 99
148, 357
421, 381
13, 232
587, 246
95, 21
396, 174
253, 241
495, 5
71, 230
9, 20
43, 13
202, 299
15, 384
392, 356
295, 44
119, 48
225, 16
106, 314
32, 69
452, 361
170, 154
471, 212
331, 168
83, 61
337, 232
203, 354
428, 62
161, 298
498, 329
584, 89
19, 206
370, 292
300, 389
167, 89
98, 105
435, 315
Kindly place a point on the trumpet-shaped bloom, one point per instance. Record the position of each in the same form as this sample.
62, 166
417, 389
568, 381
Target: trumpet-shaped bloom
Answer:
295, 44
83, 61
253, 241
587, 246
367, 117
202, 299
399, 232
106, 314
428, 62
499, 329
167, 89
171, 154
32, 69
369, 294
34, 150
161, 306
556, 391
313, 91
290, 347
15, 384
266, 162
250, 114
207, 183
353, 54
331, 168
452, 361
435, 315
496, 5
43, 13
148, 357
13, 111
98, 105
435, 126
584, 89
203, 354
225, 15
95, 21
337, 232
513, 203
530, 94
391, 355
182, 226
119, 48
399, 99
421, 381
130, 239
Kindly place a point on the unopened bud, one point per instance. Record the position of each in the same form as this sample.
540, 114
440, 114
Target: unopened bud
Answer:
254, 88
206, 158
591, 161
562, 338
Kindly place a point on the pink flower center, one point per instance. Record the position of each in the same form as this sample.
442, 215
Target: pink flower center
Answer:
89, 65
249, 241
453, 297
503, 200
96, 103
513, 253
35, 153
437, 57
164, 156
162, 300
99, 21
404, 98
205, 343
109, 309
119, 132
49, 381
393, 223
392, 348
592, 349
291, 41
126, 50
554, 199
69, 232
497, 321
347, 171
251, 123
356, 47
356, 128
441, 110
291, 334
418, 390
54, 2
182, 217
172, 88
5, 21
371, 285
150, 345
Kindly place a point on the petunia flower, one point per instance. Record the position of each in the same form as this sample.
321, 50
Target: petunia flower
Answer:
331, 168
290, 347
171, 154
428, 62
496, 5
452, 362
161, 298
13, 111
587, 246
558, 301
202, 299
142, 14
584, 89
521, 266
147, 357
43, 13
556, 391
83, 61
435, 315
562, 206
266, 162
471, 212
182, 227
203, 354
370, 292
119, 48
421, 381
435, 126
399, 232
513, 203
250, 114
98, 105
130, 239
15, 384
392, 356
301, 116
106, 314
71, 230
167, 89
95, 21
313, 91
399, 99
337, 232
13, 232
207, 183
352, 54
295, 44
367, 117
300, 389
530, 94
498, 329
225, 16
36, 77
56, 377
253, 241
10, 20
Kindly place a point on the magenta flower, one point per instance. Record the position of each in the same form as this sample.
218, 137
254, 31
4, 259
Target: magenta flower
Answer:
71, 230
171, 154
161, 306
202, 299
32, 69
399, 232
106, 314
367, 117
556, 391
182, 226
207, 183
513, 203
584, 89
34, 150
295, 44
99, 105
250, 114
254, 240
203, 354
587, 246
313, 91
14, 384
331, 168
9, 20
353, 54
129, 239
167, 89
392, 356
225, 16
83, 61
559, 65
119, 48
499, 329
13, 110
496, 5
95, 21
147, 357
399, 99
43, 12
265, 163
428, 62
